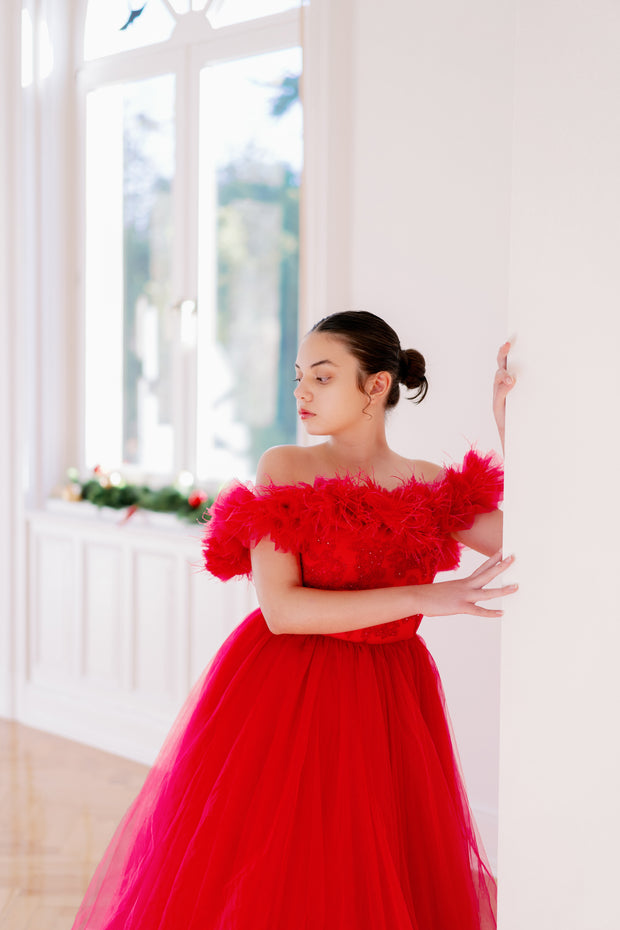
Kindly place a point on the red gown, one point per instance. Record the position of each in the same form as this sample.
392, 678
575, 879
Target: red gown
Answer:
310, 782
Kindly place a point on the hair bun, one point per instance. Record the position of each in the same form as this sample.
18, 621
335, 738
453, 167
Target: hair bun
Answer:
412, 373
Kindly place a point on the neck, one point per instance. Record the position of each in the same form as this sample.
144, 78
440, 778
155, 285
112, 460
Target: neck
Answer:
355, 453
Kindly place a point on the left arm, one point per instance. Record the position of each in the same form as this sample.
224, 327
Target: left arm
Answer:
485, 534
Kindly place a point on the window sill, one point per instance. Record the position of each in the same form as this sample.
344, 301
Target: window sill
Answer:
138, 520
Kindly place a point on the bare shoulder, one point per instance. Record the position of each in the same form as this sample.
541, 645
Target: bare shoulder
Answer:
283, 465
425, 471
405, 469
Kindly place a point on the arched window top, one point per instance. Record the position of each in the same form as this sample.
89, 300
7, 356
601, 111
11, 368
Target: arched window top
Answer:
229, 12
114, 26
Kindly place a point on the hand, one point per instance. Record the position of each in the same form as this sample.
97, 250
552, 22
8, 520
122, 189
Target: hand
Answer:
461, 596
502, 384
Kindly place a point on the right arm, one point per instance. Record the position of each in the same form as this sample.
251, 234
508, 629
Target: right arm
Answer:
289, 607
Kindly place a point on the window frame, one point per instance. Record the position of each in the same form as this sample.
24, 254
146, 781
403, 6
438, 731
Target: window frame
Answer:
183, 55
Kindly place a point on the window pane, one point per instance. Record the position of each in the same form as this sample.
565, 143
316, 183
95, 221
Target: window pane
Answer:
104, 276
130, 329
103, 32
241, 11
250, 156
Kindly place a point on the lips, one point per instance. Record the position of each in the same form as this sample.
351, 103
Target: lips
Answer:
304, 414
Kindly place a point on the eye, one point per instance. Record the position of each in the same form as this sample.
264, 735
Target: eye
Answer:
322, 379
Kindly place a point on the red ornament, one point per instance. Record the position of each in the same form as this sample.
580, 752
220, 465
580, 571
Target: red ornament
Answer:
196, 498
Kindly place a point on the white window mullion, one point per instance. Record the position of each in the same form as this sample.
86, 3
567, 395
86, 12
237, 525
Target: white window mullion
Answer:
185, 262
208, 373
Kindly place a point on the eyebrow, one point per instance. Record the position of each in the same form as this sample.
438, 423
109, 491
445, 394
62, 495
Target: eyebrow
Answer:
324, 361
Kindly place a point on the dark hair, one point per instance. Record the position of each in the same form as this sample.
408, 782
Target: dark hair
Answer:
376, 347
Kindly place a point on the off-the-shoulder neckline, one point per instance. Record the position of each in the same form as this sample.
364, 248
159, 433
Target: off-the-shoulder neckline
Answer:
353, 481
362, 481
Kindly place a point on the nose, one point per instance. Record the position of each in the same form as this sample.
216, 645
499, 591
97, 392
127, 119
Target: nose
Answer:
301, 390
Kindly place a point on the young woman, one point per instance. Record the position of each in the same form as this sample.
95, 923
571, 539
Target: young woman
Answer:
310, 782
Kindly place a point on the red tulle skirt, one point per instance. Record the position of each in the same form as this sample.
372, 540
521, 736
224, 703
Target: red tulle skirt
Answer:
309, 783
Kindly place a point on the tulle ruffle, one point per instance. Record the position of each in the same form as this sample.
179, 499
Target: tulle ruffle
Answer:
308, 784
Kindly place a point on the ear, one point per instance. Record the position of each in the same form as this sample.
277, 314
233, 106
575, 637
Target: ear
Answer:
378, 386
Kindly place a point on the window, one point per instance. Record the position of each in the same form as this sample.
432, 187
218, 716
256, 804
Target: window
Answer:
193, 157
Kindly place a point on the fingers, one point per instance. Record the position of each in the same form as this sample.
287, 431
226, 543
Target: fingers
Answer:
490, 574
485, 613
469, 591
493, 561
504, 381
487, 594
502, 355
486, 573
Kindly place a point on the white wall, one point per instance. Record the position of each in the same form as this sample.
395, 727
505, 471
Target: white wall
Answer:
560, 750
432, 117
9, 316
328, 95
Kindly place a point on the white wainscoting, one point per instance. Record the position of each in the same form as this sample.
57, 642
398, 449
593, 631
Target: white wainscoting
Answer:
120, 621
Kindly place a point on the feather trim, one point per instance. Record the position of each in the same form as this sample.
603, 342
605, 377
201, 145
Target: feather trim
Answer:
240, 517
474, 488
417, 516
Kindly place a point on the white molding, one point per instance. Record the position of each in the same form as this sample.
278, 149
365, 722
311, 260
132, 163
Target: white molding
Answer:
43, 183
118, 711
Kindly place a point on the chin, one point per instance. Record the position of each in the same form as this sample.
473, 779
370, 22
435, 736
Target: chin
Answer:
314, 429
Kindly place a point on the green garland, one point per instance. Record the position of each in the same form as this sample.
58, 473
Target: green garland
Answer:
192, 507
110, 490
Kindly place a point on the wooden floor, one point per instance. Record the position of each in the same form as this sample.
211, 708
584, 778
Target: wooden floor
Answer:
59, 805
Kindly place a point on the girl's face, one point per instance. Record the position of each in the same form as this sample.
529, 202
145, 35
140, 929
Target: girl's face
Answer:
327, 393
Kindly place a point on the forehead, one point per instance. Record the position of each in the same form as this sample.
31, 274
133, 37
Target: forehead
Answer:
316, 347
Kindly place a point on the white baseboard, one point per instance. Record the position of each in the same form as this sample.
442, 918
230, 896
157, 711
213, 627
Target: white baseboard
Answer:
122, 729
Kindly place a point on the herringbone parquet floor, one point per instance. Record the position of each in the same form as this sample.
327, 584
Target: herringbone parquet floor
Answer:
59, 805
